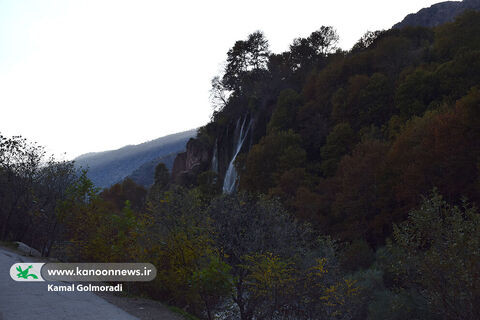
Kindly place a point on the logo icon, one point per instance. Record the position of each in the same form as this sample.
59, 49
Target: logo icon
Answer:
28, 271
25, 273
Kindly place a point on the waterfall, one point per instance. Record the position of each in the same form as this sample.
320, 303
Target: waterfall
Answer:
215, 157
230, 181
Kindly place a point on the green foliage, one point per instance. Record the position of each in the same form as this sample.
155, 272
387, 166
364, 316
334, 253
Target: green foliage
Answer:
269, 276
345, 100
339, 142
179, 242
161, 180
375, 101
212, 281
124, 229
283, 151
162, 176
439, 256
127, 190
283, 118
364, 101
458, 75
307, 52
279, 266
463, 33
416, 92
209, 185
81, 218
95, 228
244, 59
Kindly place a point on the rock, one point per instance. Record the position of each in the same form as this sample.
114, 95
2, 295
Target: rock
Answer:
29, 251
189, 163
437, 14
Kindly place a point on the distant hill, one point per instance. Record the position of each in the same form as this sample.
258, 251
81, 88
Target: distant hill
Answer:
438, 14
137, 161
144, 175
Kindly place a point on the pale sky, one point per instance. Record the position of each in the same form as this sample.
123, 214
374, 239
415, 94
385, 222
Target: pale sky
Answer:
92, 75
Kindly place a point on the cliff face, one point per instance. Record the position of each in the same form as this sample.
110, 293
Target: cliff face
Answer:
188, 164
438, 13
217, 156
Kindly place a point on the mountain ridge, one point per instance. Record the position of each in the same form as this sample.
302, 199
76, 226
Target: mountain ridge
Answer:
111, 166
437, 14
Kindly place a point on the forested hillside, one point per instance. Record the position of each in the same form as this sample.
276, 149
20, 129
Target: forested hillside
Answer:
329, 184
351, 141
144, 175
109, 167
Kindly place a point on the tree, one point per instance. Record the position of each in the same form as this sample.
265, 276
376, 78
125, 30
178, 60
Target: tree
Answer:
179, 242
324, 40
415, 93
283, 117
358, 203
438, 255
245, 225
127, 190
20, 163
455, 36
162, 176
54, 179
213, 282
307, 52
366, 41
339, 142
257, 46
218, 94
82, 213
245, 57
283, 151
280, 266
437, 150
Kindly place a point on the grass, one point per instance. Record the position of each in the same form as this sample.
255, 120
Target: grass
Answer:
9, 244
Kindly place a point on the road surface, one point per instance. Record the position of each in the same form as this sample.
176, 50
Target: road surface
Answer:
31, 300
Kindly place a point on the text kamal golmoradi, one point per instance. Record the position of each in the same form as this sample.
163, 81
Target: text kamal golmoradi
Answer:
84, 287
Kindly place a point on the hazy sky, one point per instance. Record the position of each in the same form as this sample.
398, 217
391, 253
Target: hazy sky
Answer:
81, 76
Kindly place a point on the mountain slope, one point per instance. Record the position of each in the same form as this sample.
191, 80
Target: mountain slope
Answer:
109, 167
438, 14
144, 175
354, 140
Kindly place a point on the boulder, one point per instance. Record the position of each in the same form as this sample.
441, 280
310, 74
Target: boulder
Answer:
29, 251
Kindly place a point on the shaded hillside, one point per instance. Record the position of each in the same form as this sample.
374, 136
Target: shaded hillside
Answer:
348, 140
438, 14
144, 175
108, 167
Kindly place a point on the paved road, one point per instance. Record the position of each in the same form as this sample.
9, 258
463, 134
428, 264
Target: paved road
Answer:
31, 300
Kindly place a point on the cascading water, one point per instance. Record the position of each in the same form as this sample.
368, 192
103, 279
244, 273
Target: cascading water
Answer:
215, 157
230, 180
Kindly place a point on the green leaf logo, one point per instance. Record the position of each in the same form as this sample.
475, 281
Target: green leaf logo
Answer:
25, 273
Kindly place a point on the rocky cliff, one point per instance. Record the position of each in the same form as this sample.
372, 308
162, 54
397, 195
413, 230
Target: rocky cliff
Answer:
218, 155
438, 13
188, 164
